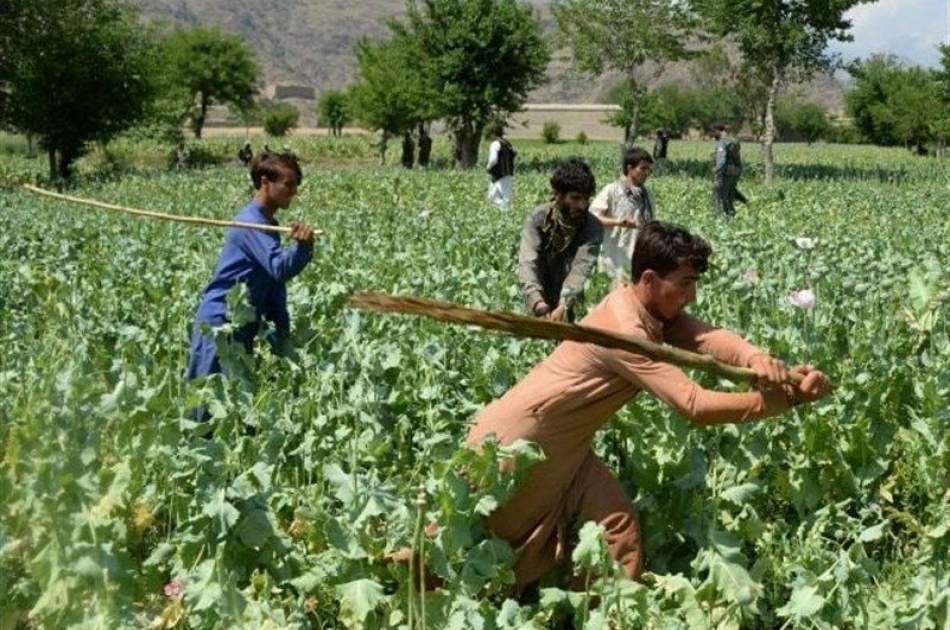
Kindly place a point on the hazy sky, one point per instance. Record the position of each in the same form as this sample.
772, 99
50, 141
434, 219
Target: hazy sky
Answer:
910, 29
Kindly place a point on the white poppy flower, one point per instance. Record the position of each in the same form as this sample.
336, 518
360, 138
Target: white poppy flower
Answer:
804, 299
803, 242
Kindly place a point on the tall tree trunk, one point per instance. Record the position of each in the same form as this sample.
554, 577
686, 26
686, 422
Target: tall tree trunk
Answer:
199, 121
467, 139
637, 95
66, 158
635, 127
51, 154
425, 145
383, 145
769, 137
408, 150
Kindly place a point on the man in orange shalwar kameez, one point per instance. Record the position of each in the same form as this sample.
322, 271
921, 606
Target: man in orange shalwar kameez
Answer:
562, 402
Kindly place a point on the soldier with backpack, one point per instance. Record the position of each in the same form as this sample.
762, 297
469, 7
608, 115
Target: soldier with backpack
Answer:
501, 169
728, 169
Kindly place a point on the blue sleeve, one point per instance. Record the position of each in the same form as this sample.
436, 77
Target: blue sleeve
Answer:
281, 264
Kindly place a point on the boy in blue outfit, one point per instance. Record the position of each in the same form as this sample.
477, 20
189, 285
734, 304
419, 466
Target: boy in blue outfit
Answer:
257, 259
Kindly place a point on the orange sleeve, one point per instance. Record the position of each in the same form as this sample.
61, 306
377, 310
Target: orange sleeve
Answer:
692, 334
689, 399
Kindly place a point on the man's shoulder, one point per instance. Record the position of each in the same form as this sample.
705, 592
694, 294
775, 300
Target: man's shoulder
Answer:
535, 218
613, 186
251, 213
539, 212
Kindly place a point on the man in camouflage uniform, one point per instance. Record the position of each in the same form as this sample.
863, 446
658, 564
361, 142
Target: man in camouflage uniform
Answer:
727, 171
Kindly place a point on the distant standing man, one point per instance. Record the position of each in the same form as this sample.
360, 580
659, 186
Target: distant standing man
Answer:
559, 244
256, 259
246, 154
728, 169
622, 207
408, 150
660, 145
501, 169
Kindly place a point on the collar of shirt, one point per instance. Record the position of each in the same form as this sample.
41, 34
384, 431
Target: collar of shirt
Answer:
629, 188
258, 209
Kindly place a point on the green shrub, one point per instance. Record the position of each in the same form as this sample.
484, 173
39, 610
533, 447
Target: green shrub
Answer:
551, 132
845, 133
280, 118
797, 121
196, 155
582, 138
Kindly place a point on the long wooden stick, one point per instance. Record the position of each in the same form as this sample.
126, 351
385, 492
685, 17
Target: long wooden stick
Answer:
162, 215
538, 328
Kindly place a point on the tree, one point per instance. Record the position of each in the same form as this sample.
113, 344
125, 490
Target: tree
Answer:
718, 67
716, 104
332, 111
623, 36
213, 67
892, 104
670, 107
75, 71
780, 40
795, 120
480, 58
388, 95
10, 17
942, 124
280, 118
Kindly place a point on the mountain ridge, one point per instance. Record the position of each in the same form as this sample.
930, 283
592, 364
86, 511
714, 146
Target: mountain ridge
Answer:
312, 42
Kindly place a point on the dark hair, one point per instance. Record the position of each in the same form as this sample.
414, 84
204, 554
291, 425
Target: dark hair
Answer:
632, 157
663, 247
273, 165
573, 175
719, 126
498, 129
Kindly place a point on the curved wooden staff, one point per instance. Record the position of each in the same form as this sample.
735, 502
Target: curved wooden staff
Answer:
537, 328
281, 229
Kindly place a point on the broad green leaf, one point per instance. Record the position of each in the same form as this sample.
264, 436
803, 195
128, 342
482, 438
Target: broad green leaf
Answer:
358, 599
872, 533
804, 602
591, 549
223, 514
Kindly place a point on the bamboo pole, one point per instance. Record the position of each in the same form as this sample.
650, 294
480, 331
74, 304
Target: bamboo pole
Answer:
538, 328
280, 229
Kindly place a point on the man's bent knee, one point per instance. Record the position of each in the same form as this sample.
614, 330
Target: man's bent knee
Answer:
622, 531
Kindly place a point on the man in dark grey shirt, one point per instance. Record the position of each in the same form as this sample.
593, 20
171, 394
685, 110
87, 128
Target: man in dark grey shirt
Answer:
559, 244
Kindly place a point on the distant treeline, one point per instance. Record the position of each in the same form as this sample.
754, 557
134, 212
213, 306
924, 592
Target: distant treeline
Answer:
79, 72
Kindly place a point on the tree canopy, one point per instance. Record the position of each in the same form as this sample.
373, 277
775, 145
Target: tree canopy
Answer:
73, 72
896, 105
389, 95
780, 40
332, 111
623, 36
212, 67
480, 58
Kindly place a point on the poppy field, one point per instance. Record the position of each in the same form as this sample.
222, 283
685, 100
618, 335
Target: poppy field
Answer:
118, 510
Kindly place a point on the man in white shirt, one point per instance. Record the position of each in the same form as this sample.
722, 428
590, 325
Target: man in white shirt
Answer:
624, 206
501, 169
